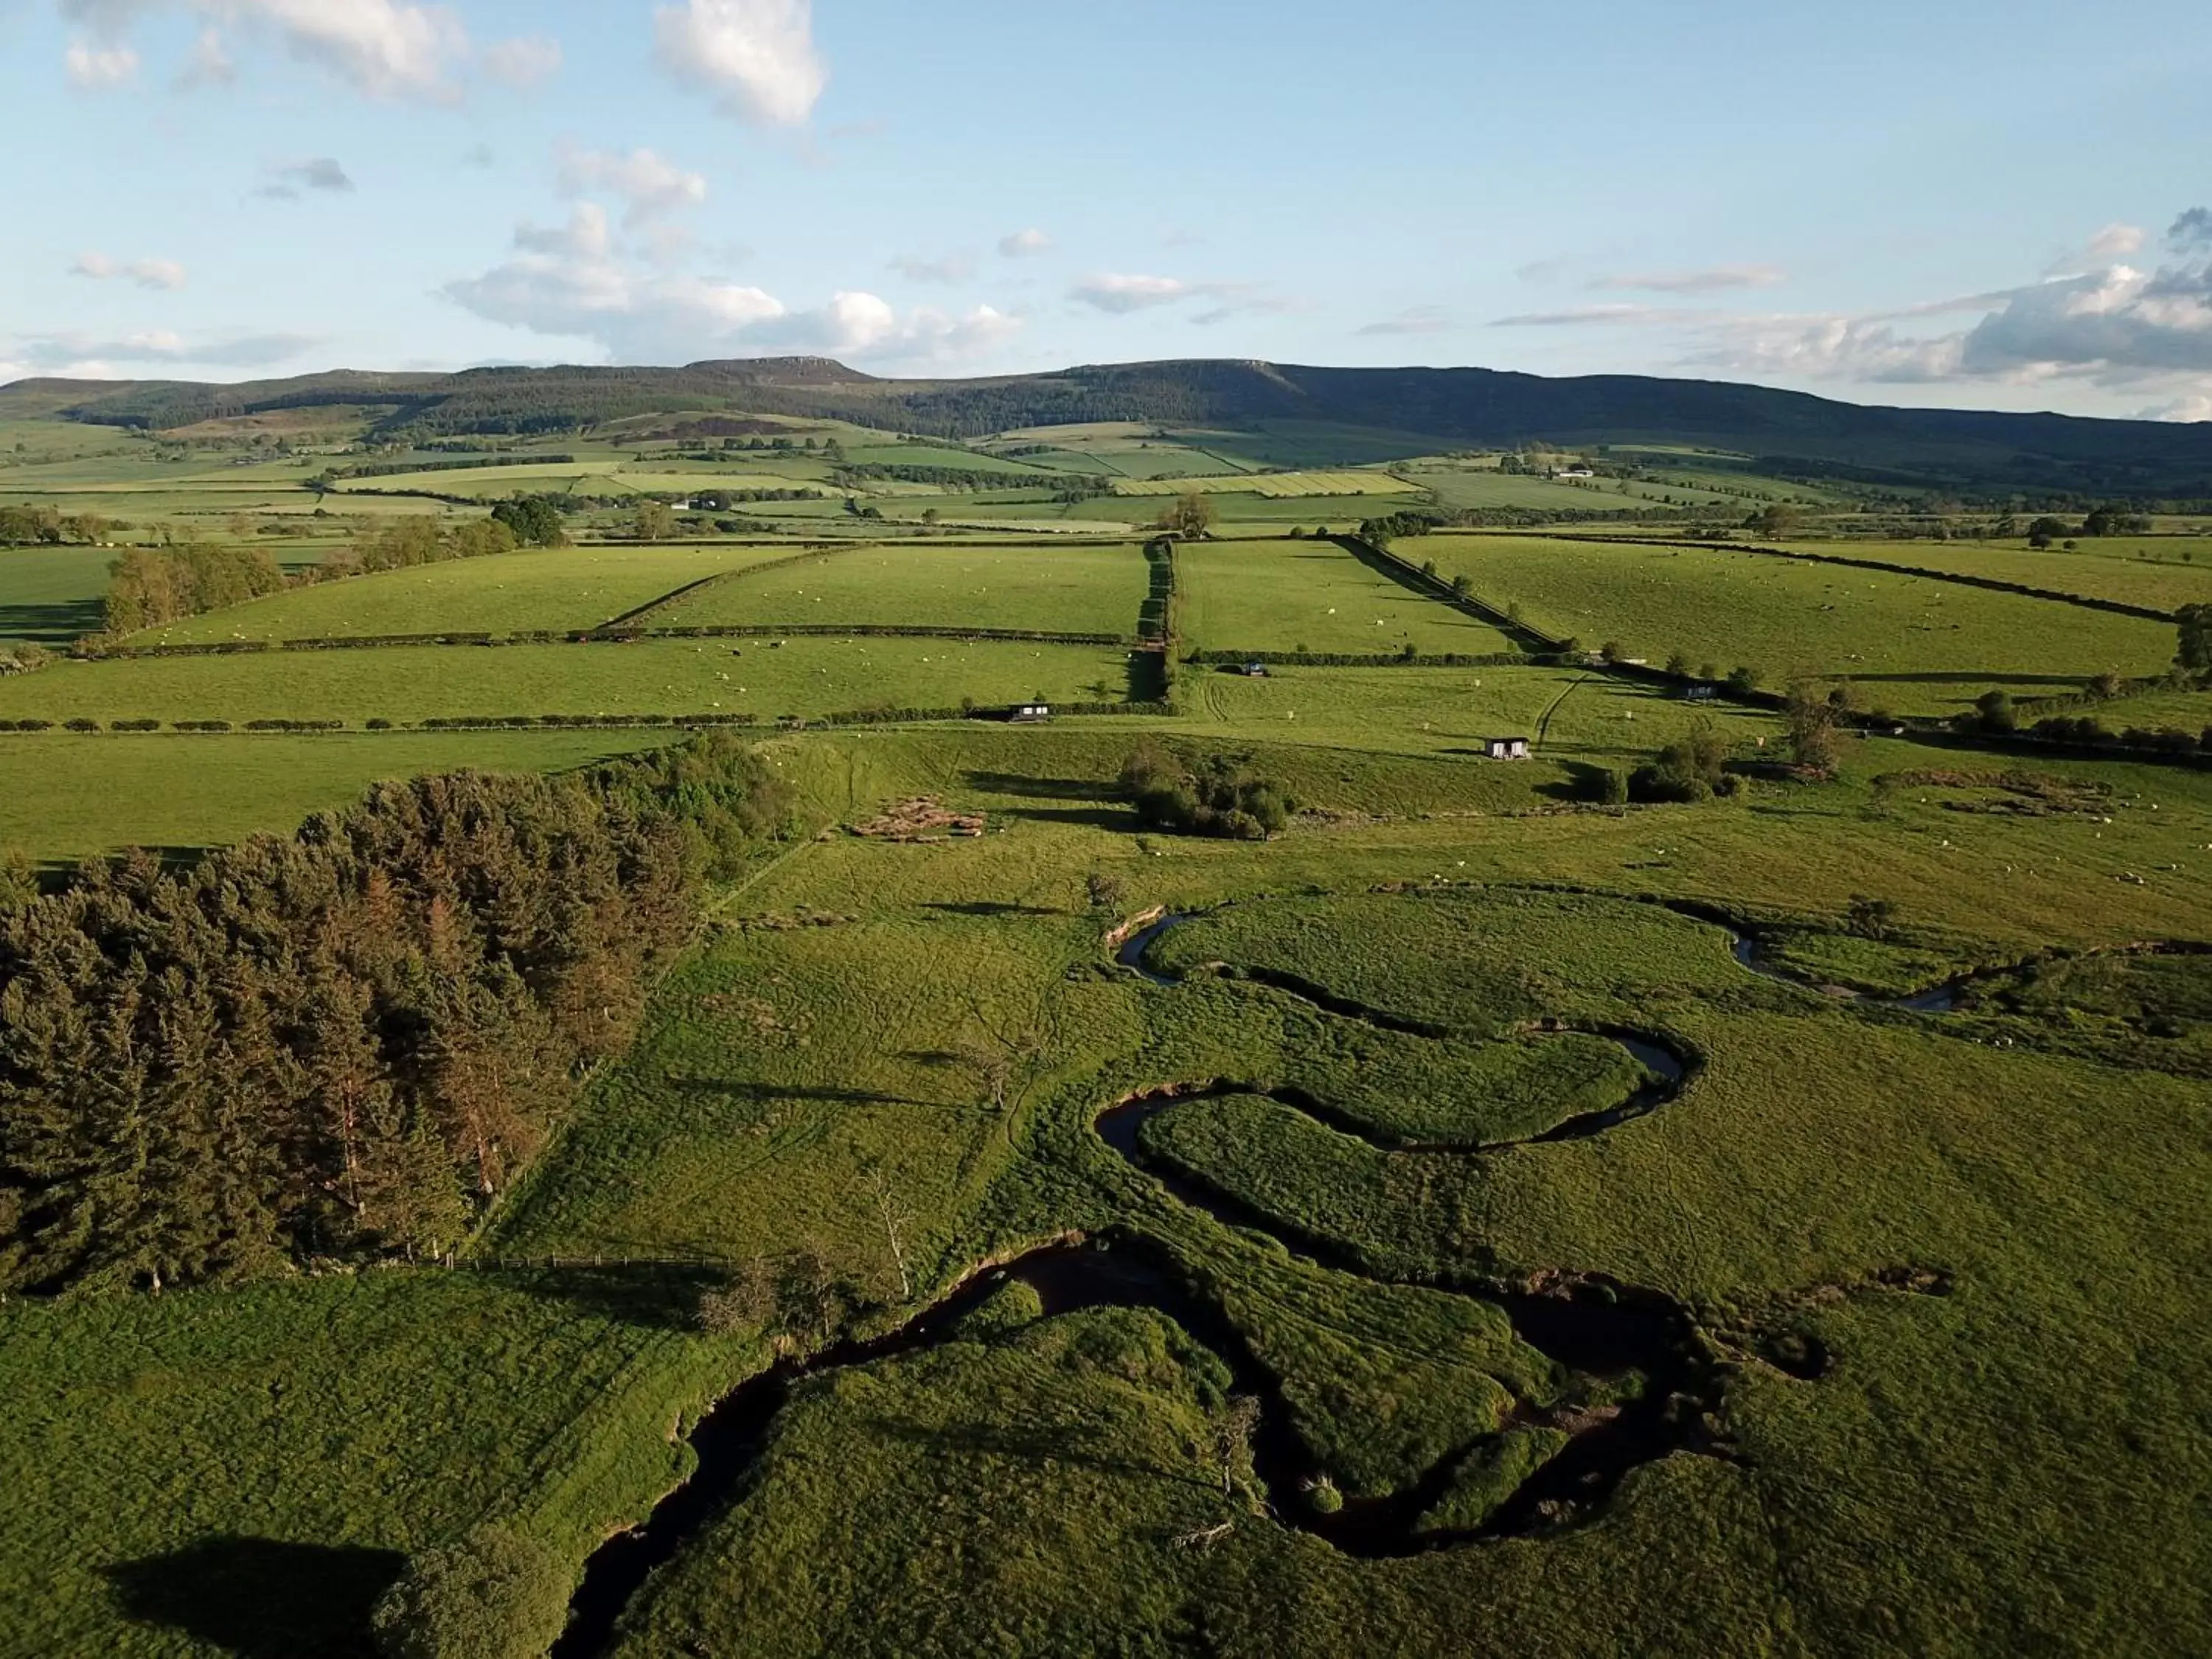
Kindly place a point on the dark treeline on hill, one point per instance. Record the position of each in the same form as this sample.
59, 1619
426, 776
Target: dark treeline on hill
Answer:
342, 1045
1952, 448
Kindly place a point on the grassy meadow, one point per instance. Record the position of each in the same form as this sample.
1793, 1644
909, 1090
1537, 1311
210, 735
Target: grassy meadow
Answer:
760, 676
569, 587
1267, 595
1085, 588
1917, 645
1373, 1320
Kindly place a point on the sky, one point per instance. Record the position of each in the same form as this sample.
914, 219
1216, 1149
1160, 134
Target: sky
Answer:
1964, 204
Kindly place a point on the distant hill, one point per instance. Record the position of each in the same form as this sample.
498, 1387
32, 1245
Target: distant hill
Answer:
1448, 407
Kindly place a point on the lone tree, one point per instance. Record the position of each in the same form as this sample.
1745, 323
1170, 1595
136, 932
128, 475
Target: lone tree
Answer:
495, 1594
1812, 720
2195, 655
1191, 517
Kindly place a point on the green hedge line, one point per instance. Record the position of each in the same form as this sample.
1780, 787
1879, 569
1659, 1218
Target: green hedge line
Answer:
1208, 658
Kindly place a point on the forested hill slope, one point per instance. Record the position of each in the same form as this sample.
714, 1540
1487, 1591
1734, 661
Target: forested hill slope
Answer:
1449, 406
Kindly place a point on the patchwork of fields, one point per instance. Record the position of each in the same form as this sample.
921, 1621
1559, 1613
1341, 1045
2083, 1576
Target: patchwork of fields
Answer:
1483, 1216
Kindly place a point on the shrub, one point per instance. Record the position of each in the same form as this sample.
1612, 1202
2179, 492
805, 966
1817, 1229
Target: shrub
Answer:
1742, 681
1690, 769
1218, 798
495, 1594
134, 726
80, 724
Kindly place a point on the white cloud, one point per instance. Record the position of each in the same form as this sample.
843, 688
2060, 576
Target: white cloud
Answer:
1024, 244
1711, 279
82, 354
649, 185
576, 283
2197, 406
1414, 319
2117, 241
95, 68
952, 267
289, 181
384, 48
585, 236
147, 273
1577, 316
1120, 294
211, 64
523, 62
755, 58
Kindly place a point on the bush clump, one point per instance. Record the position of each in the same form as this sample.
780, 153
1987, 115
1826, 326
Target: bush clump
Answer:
1693, 768
495, 1594
1219, 797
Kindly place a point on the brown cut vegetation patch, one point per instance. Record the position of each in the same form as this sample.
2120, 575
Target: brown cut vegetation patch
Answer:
920, 818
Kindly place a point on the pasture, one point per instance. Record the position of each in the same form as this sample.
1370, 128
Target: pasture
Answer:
568, 587
1274, 486
2161, 573
50, 596
1083, 588
1916, 644
758, 676
1312, 596
65, 797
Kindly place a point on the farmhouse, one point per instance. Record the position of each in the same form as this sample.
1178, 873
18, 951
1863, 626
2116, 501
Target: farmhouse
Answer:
1506, 748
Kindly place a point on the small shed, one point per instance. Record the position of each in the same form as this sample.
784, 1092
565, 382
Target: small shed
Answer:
1697, 693
1030, 714
1506, 748
1254, 670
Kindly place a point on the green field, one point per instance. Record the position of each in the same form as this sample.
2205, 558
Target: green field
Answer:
1274, 485
1917, 645
2162, 573
63, 797
1080, 589
574, 587
1487, 1218
1265, 595
581, 477
649, 676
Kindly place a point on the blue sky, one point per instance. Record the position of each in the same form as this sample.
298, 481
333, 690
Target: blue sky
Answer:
1962, 203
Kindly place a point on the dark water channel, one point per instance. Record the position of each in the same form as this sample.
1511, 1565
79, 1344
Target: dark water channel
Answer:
1593, 1330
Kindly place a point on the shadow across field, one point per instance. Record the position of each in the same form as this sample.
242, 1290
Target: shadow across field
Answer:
61, 624
260, 1598
1027, 789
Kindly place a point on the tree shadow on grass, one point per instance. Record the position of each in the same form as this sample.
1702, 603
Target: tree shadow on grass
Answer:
258, 1598
1028, 788
1095, 818
994, 907
657, 1297
1583, 782
62, 623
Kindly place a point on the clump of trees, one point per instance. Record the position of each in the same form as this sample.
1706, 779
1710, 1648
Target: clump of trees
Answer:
1693, 767
346, 1044
2193, 655
1190, 518
150, 585
1813, 718
49, 526
407, 543
534, 520
1219, 797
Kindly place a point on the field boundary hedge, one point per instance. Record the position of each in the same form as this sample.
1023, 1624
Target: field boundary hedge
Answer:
606, 635
654, 607
1218, 659
84, 725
